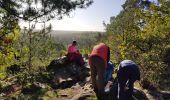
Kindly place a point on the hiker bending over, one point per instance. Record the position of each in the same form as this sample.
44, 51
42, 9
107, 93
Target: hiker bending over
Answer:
128, 73
98, 61
73, 54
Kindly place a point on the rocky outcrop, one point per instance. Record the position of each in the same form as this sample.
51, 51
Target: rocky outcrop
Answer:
66, 74
68, 81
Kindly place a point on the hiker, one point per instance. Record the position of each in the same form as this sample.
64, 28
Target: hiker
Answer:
109, 69
98, 61
108, 72
128, 73
73, 54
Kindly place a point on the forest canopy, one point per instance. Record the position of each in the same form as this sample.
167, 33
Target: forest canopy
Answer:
141, 32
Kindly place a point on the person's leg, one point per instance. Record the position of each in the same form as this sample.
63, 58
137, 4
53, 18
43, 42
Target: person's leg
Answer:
106, 75
79, 59
122, 79
134, 74
100, 66
100, 69
130, 90
71, 57
93, 74
68, 56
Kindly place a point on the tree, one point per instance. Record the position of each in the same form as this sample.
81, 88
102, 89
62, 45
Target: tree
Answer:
141, 32
9, 31
45, 10
124, 26
39, 11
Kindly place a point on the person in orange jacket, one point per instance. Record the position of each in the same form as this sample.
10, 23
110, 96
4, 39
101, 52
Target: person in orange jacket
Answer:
98, 63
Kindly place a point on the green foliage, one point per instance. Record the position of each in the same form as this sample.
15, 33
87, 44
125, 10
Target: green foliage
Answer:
43, 48
9, 32
43, 10
142, 35
31, 49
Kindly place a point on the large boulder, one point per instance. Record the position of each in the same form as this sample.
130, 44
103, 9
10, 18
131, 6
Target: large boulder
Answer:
65, 73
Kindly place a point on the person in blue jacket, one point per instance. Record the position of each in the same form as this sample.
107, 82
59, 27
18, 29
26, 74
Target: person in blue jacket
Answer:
128, 73
108, 72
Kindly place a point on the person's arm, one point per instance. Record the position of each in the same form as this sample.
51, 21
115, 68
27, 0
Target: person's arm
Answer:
69, 48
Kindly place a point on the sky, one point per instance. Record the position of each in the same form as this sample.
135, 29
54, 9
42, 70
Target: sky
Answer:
89, 19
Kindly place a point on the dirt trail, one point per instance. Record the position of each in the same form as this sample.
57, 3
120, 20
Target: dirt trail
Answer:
84, 91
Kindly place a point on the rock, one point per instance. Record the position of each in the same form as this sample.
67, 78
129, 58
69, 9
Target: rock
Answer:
83, 96
8, 89
165, 95
63, 93
139, 94
66, 74
31, 89
147, 85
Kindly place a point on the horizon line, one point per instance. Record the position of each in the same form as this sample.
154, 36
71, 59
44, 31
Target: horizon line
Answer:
72, 30
79, 30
